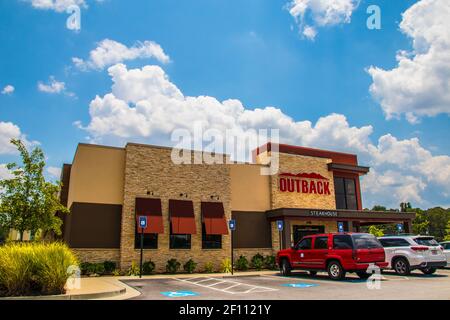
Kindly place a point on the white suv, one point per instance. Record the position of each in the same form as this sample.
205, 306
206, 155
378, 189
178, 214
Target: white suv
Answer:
406, 253
446, 246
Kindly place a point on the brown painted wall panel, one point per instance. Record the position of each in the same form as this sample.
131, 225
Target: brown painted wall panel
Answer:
253, 230
94, 225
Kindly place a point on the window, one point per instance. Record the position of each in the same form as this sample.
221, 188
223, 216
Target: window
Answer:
342, 242
366, 241
179, 241
345, 190
321, 243
429, 241
446, 246
394, 242
150, 240
305, 244
211, 241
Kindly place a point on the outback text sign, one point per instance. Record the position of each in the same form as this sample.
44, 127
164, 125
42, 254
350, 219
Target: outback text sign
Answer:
311, 183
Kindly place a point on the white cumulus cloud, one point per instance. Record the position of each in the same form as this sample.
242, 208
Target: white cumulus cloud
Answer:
55, 172
109, 52
8, 131
313, 14
53, 86
56, 5
8, 89
145, 106
419, 85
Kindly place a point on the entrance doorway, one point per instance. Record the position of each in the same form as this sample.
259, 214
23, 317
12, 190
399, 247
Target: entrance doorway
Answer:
302, 231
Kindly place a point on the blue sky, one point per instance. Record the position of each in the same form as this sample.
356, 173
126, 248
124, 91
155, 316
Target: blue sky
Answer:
249, 50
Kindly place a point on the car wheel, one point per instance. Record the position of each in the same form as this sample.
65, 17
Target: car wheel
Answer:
401, 267
313, 273
285, 268
335, 270
363, 274
428, 270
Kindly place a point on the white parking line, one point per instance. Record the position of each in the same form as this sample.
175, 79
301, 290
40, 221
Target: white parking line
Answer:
234, 284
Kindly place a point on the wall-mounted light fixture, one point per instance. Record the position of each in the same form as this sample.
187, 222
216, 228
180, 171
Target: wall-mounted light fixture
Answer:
183, 195
150, 193
215, 197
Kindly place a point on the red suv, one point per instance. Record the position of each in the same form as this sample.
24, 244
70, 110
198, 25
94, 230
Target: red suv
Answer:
336, 253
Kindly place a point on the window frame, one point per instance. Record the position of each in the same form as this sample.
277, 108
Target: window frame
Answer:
326, 243
172, 239
204, 241
343, 196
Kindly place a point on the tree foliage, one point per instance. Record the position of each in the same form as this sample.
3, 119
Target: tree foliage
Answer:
27, 201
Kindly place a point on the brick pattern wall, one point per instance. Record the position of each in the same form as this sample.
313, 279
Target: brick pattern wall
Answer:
97, 255
151, 169
296, 164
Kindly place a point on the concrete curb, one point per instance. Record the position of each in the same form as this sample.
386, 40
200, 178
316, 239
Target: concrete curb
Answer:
83, 296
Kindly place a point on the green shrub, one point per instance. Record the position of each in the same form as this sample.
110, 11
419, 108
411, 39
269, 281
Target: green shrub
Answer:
148, 267
209, 267
270, 262
34, 268
99, 269
242, 263
87, 268
117, 272
133, 270
190, 266
172, 266
257, 261
225, 266
110, 266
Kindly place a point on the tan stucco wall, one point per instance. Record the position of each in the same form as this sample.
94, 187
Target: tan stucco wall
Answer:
249, 189
97, 175
151, 169
296, 164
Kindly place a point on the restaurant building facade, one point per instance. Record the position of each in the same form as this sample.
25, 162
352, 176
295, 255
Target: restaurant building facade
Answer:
189, 205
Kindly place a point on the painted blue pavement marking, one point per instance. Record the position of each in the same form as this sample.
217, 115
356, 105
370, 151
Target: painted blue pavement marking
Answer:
300, 285
179, 294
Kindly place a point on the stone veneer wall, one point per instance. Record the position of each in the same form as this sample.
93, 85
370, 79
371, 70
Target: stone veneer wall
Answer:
97, 255
296, 164
149, 168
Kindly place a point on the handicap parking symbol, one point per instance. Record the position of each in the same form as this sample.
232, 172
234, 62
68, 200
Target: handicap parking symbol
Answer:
179, 294
299, 285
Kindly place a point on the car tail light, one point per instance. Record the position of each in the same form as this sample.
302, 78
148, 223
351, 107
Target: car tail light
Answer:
419, 248
441, 247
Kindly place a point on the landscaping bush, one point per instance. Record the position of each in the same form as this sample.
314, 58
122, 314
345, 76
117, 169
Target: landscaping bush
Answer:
257, 261
242, 263
270, 262
190, 266
133, 270
209, 267
148, 267
34, 268
110, 266
172, 266
87, 268
99, 269
225, 266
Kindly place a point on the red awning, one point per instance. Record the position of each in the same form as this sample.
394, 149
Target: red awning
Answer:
152, 209
182, 217
213, 217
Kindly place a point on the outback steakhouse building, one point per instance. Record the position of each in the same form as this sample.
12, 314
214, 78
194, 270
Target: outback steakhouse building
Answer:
188, 205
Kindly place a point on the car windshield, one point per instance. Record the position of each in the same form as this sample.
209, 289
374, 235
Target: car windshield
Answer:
426, 241
366, 241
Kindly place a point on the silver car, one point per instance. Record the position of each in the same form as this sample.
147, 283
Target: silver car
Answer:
446, 246
407, 253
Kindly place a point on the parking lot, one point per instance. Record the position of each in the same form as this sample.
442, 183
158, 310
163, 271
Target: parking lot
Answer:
299, 286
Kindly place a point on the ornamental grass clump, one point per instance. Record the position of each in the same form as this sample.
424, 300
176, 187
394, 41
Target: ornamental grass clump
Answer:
35, 268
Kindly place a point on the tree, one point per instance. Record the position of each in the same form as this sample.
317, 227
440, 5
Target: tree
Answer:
447, 231
376, 231
28, 202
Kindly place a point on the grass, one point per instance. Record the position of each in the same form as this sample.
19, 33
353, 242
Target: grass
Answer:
34, 268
